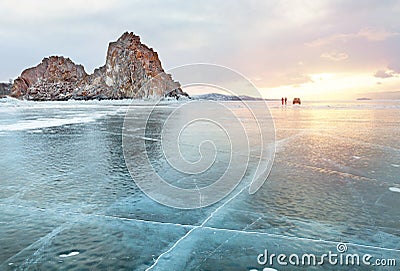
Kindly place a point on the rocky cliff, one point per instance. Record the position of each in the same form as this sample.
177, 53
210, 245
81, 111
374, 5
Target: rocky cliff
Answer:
132, 70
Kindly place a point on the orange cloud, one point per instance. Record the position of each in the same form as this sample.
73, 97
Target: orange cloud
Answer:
335, 56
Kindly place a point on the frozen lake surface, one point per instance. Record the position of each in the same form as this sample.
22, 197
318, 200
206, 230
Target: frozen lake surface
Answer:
68, 202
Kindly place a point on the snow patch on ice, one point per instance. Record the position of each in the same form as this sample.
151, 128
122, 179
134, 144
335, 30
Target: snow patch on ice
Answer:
46, 122
394, 189
37, 131
149, 138
394, 165
72, 253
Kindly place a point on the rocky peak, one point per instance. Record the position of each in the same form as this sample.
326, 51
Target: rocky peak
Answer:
52, 70
128, 38
130, 65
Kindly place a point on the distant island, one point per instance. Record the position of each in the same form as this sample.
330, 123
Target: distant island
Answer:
364, 99
132, 70
223, 97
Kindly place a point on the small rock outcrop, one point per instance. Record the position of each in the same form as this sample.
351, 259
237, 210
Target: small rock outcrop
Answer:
5, 89
132, 70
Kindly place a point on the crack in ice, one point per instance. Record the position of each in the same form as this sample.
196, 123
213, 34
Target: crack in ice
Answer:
41, 243
300, 238
196, 227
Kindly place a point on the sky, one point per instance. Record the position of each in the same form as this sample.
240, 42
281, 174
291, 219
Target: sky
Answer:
316, 50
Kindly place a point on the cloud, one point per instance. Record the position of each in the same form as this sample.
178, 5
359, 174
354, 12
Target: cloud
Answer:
335, 56
261, 39
296, 78
385, 74
369, 34
375, 34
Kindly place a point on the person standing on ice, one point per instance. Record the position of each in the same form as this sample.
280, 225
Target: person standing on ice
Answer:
283, 100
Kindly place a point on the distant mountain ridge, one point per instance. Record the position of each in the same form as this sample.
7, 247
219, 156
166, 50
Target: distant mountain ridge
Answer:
223, 97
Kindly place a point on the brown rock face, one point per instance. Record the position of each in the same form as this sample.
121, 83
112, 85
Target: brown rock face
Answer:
56, 78
130, 65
